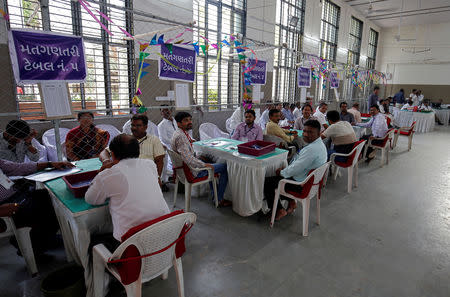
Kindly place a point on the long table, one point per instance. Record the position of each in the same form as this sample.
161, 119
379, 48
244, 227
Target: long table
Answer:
78, 220
443, 115
246, 173
424, 120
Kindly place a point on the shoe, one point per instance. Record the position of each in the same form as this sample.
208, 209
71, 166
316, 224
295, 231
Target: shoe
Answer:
164, 188
372, 154
440, 124
225, 203
369, 159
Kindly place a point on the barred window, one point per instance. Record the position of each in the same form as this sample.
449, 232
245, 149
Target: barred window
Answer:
290, 21
372, 49
109, 81
329, 30
354, 41
216, 20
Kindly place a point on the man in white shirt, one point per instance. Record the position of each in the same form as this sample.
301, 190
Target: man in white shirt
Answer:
320, 114
167, 126
408, 105
131, 184
420, 96
355, 112
297, 111
264, 119
152, 129
379, 128
341, 133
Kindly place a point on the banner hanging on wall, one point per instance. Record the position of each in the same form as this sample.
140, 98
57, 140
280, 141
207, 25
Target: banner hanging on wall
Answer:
334, 80
39, 56
178, 64
304, 77
258, 73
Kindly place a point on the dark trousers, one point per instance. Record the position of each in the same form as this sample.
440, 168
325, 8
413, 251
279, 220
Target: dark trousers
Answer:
370, 149
36, 211
107, 239
271, 184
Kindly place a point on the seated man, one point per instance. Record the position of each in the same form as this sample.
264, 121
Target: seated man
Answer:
272, 128
149, 145
287, 113
341, 133
379, 128
264, 119
85, 141
27, 206
15, 142
425, 106
355, 112
408, 105
345, 115
320, 115
312, 156
166, 127
306, 116
151, 129
248, 131
182, 144
131, 184
297, 111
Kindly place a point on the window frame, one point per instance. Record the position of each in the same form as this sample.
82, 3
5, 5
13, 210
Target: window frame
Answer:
371, 59
324, 42
354, 56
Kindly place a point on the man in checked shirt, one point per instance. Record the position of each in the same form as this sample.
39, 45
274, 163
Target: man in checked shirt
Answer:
182, 144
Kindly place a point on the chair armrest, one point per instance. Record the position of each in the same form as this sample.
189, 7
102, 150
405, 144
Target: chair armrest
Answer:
210, 170
334, 155
282, 183
103, 252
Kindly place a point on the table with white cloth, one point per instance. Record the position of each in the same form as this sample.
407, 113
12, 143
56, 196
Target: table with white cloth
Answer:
246, 173
424, 120
443, 115
78, 220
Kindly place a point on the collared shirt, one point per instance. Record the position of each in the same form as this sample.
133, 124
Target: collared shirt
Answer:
272, 128
81, 145
373, 99
244, 132
166, 129
264, 119
378, 125
150, 147
310, 157
341, 133
18, 153
133, 191
348, 117
415, 100
9, 168
300, 122
297, 113
399, 98
288, 114
182, 144
321, 117
423, 107
151, 128
406, 106
356, 114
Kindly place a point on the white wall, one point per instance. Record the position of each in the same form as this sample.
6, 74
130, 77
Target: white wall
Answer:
427, 68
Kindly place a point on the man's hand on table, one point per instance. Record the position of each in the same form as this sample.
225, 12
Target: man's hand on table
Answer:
62, 165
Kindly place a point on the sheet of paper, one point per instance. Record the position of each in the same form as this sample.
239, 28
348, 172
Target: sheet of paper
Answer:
56, 99
182, 95
302, 95
261, 95
6, 182
162, 98
49, 175
171, 95
256, 93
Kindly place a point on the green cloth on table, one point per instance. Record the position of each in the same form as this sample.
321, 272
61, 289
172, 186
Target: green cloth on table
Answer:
232, 142
59, 187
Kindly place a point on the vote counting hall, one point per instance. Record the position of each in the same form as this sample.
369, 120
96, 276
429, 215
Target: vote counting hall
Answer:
225, 148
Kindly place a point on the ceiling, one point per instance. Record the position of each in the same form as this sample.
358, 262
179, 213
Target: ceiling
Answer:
387, 13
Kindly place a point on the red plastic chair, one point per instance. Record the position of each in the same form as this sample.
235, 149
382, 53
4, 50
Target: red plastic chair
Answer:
351, 164
384, 146
405, 131
311, 187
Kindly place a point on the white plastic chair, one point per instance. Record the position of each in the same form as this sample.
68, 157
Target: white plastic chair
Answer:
48, 139
147, 241
184, 175
310, 189
384, 147
24, 242
152, 129
42, 152
210, 131
351, 164
406, 131
113, 131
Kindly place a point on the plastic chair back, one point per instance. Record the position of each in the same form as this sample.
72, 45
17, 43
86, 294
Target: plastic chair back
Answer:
152, 129
48, 139
155, 238
210, 131
113, 131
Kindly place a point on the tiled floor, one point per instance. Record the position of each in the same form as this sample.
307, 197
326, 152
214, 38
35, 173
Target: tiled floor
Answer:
389, 237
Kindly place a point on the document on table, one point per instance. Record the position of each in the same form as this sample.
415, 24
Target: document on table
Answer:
44, 176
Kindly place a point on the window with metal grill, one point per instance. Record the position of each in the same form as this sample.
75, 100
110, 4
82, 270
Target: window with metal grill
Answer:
354, 41
289, 26
372, 49
216, 20
329, 30
109, 82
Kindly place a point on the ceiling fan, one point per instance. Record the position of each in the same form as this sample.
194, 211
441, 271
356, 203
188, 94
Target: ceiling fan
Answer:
398, 36
370, 10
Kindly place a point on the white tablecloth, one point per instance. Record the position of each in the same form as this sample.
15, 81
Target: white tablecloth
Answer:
246, 175
359, 131
443, 115
424, 121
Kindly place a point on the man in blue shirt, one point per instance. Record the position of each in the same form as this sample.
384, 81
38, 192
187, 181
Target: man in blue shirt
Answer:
373, 98
288, 113
399, 98
312, 156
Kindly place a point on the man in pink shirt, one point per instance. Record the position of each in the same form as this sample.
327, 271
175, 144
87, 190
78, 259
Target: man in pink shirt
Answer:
248, 131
